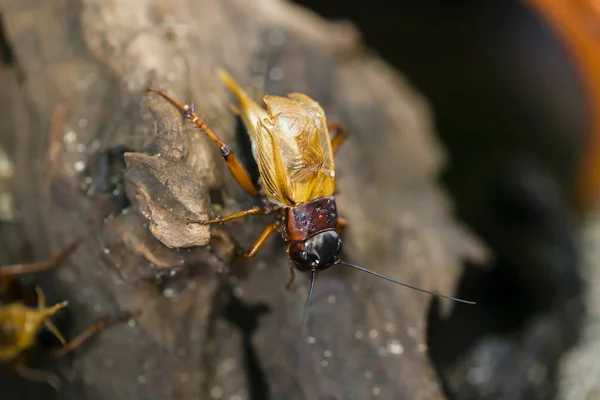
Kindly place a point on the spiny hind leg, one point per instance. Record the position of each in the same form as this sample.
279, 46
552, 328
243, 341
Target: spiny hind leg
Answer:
339, 136
239, 173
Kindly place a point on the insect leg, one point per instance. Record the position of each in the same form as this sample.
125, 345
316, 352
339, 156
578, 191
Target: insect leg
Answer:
19, 269
289, 283
253, 211
341, 225
339, 137
20, 367
100, 325
261, 239
236, 169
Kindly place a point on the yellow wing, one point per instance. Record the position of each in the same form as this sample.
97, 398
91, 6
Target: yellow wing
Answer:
291, 145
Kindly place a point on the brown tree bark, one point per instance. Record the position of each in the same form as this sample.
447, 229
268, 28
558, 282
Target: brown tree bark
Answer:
93, 59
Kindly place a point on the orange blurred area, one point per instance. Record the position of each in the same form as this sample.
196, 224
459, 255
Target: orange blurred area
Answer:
577, 22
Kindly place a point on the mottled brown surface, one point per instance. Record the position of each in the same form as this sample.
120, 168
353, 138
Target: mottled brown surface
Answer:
95, 57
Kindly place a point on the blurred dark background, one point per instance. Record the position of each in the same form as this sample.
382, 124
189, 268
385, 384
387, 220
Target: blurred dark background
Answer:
511, 109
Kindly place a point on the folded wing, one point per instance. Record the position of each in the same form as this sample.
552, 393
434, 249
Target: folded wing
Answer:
291, 145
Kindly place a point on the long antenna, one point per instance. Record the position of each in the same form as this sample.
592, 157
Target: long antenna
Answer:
303, 353
310, 290
368, 271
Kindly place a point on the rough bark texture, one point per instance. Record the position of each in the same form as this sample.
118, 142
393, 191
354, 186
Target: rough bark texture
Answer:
194, 340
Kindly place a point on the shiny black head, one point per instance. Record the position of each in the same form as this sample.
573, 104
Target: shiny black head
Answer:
318, 252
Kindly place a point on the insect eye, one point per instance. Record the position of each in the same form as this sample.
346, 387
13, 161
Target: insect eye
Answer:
303, 256
339, 247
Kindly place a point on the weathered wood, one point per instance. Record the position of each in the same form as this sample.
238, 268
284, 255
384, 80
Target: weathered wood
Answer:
95, 57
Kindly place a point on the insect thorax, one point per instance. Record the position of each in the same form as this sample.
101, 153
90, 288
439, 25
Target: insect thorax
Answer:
310, 218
